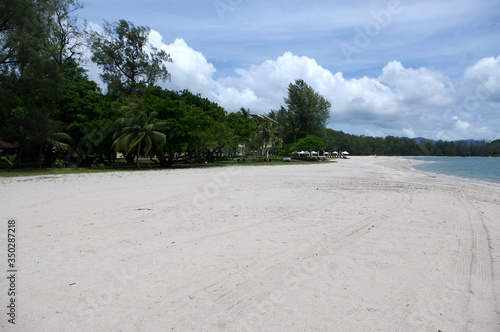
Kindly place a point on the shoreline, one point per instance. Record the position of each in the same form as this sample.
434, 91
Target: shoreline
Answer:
363, 244
454, 176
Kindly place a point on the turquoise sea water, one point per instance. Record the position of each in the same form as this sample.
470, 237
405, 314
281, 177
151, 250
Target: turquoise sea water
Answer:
483, 169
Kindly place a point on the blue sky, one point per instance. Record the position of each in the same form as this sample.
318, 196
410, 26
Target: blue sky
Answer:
403, 67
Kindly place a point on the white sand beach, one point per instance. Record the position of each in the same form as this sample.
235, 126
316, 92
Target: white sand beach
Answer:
363, 244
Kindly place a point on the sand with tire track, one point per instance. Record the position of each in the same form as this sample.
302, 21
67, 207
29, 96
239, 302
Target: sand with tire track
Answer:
363, 244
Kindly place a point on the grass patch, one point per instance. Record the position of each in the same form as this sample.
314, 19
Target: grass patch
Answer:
48, 171
121, 167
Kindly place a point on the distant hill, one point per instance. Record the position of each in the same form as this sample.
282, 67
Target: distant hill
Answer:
468, 142
471, 142
420, 139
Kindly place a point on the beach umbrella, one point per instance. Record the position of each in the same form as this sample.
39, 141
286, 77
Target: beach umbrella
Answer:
345, 152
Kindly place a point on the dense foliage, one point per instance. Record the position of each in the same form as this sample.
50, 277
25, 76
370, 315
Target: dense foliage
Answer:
306, 113
126, 58
58, 116
402, 146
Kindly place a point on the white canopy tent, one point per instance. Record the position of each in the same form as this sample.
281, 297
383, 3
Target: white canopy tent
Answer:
304, 153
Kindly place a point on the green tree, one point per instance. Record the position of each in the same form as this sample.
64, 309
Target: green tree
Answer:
207, 131
32, 70
172, 110
64, 36
13, 16
310, 143
243, 128
193, 124
493, 148
126, 57
138, 132
201, 135
305, 114
213, 110
80, 104
30, 29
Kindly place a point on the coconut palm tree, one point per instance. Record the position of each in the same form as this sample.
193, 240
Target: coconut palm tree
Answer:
138, 131
267, 136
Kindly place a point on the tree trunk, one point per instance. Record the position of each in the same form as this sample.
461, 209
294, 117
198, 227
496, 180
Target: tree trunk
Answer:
50, 158
18, 159
130, 158
138, 150
170, 160
40, 150
162, 160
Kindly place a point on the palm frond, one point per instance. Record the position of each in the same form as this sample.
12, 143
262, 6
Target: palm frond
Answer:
59, 140
147, 144
159, 140
138, 129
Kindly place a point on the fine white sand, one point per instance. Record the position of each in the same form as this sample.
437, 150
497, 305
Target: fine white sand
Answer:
363, 244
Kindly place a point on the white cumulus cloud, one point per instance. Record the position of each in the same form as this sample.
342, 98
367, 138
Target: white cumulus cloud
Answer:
421, 86
401, 101
190, 69
484, 76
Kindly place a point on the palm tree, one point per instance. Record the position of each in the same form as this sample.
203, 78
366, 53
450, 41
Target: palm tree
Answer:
58, 141
138, 131
245, 113
266, 135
